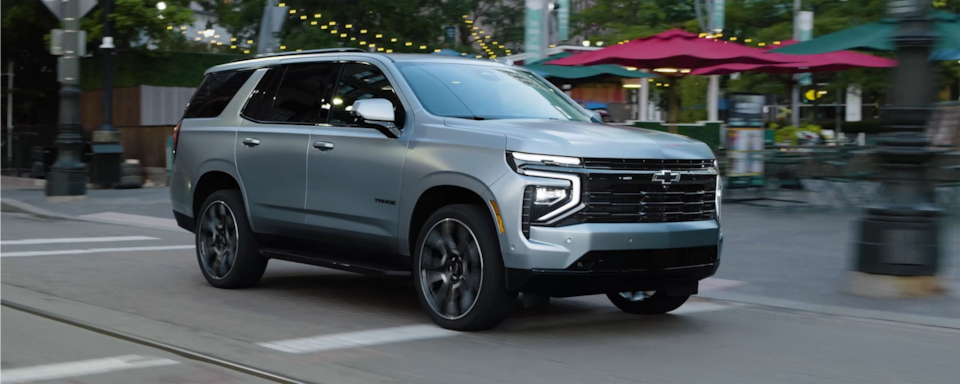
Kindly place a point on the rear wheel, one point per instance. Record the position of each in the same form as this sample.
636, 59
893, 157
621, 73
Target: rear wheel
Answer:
646, 302
227, 250
459, 273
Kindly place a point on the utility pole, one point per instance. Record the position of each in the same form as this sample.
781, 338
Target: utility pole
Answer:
67, 179
10, 116
795, 90
715, 25
107, 48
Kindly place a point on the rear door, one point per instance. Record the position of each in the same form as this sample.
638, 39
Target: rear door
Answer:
273, 141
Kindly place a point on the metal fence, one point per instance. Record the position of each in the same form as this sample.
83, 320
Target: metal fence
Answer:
28, 150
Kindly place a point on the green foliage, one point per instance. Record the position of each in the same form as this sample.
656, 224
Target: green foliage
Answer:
136, 19
788, 134
24, 25
166, 69
241, 19
617, 20
693, 98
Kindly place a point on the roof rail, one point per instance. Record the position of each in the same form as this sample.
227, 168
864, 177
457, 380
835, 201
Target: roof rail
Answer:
307, 52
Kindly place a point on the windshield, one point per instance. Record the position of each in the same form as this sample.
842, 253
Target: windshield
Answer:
483, 92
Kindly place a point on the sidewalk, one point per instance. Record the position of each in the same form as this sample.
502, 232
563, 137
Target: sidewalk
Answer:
769, 257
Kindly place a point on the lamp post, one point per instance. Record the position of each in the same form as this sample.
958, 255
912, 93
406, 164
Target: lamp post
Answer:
898, 250
106, 147
67, 179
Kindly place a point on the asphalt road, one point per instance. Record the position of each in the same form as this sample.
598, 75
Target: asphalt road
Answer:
38, 349
324, 326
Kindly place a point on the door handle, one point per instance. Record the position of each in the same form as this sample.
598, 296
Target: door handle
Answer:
323, 145
251, 142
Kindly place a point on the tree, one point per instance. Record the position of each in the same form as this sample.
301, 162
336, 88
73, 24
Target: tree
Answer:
25, 23
136, 22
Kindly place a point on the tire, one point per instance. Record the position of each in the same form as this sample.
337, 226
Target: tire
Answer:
656, 304
476, 243
241, 264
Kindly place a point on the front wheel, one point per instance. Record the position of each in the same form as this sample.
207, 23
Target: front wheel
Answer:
459, 272
646, 302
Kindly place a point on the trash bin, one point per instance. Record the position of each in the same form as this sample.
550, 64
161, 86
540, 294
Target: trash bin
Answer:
105, 162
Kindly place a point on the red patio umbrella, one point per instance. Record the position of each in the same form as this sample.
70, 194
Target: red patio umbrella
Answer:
675, 49
823, 62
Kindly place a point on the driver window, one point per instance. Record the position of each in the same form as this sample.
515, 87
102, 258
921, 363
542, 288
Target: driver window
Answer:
357, 82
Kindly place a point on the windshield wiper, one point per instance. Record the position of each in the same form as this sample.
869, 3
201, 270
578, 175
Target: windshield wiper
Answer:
470, 117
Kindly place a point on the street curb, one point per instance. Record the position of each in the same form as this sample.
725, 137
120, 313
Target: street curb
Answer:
16, 206
907, 318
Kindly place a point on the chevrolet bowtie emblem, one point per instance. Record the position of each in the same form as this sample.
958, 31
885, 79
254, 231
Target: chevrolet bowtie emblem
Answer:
666, 177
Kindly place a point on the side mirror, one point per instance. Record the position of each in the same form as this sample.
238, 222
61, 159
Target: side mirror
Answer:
596, 116
378, 114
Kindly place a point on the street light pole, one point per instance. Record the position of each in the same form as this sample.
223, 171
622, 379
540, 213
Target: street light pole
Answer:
898, 250
67, 178
107, 48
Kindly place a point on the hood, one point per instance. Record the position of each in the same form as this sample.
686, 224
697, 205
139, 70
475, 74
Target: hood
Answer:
579, 139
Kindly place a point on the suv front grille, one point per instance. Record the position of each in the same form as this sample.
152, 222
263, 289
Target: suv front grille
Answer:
646, 164
618, 198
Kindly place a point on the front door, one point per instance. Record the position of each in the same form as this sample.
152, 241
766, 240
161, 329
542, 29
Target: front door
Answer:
353, 191
273, 141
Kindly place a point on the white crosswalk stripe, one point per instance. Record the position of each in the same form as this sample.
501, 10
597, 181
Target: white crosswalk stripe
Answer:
94, 250
76, 240
80, 368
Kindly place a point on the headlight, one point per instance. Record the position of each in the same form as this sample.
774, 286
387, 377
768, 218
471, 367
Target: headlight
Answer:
548, 203
518, 159
718, 194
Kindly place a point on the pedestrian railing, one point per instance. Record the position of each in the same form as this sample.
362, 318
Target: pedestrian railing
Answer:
842, 178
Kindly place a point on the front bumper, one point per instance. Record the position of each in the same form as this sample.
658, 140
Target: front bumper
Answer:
566, 283
547, 260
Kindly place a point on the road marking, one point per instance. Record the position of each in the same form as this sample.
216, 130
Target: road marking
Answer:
715, 284
94, 250
77, 240
80, 368
138, 219
359, 339
702, 306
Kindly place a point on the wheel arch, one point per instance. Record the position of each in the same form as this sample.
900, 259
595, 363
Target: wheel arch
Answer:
445, 189
212, 181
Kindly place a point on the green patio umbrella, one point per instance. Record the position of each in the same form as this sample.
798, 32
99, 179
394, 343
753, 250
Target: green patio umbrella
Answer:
582, 73
877, 36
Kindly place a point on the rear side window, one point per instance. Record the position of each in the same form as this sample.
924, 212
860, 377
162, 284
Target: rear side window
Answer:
215, 92
303, 95
261, 100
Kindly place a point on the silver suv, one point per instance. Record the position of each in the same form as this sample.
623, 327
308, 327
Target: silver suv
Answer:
480, 180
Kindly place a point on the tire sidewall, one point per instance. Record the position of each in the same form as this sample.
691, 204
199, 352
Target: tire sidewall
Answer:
248, 260
488, 309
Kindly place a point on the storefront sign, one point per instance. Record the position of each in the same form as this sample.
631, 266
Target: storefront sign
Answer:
745, 140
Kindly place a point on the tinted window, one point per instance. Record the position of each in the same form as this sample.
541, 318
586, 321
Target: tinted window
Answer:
261, 100
304, 93
215, 92
358, 82
480, 91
